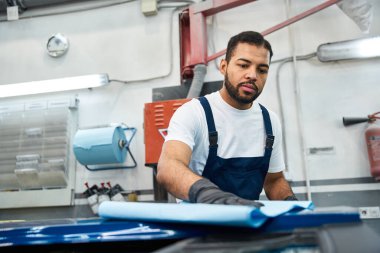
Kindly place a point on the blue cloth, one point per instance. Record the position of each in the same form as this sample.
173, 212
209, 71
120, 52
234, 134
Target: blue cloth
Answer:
243, 176
210, 214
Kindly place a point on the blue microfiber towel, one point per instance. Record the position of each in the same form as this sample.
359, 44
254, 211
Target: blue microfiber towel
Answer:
210, 214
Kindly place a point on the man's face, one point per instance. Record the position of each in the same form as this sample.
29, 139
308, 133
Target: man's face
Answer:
245, 75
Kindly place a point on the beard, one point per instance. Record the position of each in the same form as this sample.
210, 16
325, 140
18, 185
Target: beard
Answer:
234, 92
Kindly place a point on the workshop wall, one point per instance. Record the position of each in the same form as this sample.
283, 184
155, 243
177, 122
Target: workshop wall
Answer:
143, 52
118, 40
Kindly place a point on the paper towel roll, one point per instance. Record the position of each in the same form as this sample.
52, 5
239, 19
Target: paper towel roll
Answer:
99, 146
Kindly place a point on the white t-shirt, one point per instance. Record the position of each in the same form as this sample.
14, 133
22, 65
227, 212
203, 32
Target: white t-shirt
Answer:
241, 133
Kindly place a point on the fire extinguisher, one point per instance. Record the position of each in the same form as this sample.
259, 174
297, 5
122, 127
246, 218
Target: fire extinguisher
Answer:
372, 137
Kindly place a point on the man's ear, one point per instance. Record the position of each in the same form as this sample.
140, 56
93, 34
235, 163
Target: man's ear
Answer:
223, 66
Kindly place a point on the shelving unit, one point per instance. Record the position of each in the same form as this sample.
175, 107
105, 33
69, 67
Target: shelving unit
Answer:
35, 141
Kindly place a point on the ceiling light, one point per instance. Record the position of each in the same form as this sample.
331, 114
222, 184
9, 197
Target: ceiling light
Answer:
53, 85
350, 49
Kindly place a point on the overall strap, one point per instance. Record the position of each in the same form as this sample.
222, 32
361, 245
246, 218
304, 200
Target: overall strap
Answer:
212, 133
268, 129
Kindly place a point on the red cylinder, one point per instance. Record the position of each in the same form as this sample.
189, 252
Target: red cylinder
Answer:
372, 136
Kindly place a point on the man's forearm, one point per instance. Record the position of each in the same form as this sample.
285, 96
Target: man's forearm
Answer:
277, 187
176, 178
173, 171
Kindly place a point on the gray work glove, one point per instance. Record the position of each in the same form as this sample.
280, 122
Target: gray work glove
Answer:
204, 191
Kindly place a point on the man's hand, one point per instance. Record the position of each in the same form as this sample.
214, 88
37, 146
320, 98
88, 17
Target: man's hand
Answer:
204, 191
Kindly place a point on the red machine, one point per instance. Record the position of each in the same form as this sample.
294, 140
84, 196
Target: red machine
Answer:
156, 121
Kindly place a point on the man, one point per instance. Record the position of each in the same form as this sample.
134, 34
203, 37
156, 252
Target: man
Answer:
224, 148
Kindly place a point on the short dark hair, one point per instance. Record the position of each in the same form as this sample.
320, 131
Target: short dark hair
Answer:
250, 37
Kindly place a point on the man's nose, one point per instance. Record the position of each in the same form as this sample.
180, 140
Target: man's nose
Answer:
251, 74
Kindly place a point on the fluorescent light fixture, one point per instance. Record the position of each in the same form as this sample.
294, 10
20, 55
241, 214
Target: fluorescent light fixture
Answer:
53, 85
350, 49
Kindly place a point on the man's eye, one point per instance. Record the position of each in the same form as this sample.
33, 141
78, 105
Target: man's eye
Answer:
244, 66
263, 71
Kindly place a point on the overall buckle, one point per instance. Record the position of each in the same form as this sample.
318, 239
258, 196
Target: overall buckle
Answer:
213, 138
269, 141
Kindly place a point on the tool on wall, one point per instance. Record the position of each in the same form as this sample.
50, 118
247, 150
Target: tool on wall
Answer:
115, 192
106, 192
105, 146
103, 194
91, 194
372, 138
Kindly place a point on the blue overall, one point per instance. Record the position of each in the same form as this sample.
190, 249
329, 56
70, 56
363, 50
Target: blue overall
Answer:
242, 176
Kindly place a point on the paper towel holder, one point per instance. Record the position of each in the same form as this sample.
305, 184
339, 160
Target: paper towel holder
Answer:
122, 144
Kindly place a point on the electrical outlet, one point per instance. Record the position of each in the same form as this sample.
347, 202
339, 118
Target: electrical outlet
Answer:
369, 212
